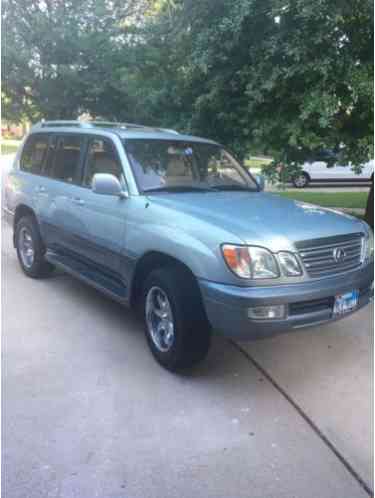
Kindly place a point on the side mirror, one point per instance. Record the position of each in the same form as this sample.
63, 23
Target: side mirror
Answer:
261, 181
106, 184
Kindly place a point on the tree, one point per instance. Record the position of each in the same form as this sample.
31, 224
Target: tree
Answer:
289, 77
60, 57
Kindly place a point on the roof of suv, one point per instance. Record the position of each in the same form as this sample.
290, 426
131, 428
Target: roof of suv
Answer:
123, 130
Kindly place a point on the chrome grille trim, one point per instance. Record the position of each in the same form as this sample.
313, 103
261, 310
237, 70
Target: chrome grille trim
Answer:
318, 255
343, 245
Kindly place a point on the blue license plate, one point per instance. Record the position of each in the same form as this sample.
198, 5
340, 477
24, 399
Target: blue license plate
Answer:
344, 303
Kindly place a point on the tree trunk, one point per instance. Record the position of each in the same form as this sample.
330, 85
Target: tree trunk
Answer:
369, 215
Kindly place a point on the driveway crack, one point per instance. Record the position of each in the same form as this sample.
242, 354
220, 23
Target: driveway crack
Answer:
307, 419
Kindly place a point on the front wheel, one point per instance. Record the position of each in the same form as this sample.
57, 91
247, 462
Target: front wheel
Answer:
301, 180
177, 330
30, 249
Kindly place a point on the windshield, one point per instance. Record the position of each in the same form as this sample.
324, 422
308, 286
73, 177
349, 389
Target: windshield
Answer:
176, 166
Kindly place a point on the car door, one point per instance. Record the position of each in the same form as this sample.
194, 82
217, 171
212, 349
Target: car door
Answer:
346, 172
62, 181
99, 234
316, 166
317, 170
342, 172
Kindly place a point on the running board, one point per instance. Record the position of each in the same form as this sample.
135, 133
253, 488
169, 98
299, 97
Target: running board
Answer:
89, 275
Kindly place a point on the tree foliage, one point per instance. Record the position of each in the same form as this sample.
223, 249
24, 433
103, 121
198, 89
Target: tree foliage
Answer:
289, 77
61, 57
285, 77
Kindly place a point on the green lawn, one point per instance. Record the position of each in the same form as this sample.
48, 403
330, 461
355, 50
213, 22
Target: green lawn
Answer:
8, 149
256, 162
330, 199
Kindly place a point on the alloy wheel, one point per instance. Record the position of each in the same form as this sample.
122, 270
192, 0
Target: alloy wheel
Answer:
159, 319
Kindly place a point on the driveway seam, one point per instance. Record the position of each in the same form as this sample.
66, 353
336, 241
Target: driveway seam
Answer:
306, 418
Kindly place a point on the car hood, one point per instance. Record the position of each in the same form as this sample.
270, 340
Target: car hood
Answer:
256, 217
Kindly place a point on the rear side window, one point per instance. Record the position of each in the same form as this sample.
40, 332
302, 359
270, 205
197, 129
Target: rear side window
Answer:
34, 154
66, 158
102, 158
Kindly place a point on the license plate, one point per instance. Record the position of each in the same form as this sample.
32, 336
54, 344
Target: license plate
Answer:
345, 302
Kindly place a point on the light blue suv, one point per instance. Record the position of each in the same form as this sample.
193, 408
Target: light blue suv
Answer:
175, 226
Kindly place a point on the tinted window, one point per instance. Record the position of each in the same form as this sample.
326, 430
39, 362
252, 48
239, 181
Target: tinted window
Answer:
102, 158
34, 154
66, 158
323, 155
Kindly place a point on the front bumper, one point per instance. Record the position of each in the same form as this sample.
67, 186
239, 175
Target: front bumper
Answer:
309, 303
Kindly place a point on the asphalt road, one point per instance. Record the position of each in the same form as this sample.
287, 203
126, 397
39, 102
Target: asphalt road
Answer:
88, 413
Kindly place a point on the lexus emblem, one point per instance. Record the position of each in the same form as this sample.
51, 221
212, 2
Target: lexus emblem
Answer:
339, 254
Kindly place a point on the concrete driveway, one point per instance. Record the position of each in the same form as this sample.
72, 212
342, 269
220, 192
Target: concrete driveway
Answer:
88, 413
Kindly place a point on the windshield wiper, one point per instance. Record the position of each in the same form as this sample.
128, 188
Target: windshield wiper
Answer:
232, 187
177, 188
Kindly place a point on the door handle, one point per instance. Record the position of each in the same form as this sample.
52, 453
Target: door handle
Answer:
40, 189
78, 201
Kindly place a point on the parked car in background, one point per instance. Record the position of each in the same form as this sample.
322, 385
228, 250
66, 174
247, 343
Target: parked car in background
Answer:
317, 171
175, 227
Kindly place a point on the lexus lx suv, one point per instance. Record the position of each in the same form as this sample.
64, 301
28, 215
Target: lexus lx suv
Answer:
174, 226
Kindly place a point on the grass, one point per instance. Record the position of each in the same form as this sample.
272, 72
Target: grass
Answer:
9, 146
256, 163
8, 149
330, 199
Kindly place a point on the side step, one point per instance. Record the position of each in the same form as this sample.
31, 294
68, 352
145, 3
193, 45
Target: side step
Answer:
110, 286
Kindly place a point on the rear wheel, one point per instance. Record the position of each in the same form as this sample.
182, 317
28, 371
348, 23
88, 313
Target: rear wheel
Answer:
177, 330
301, 180
30, 249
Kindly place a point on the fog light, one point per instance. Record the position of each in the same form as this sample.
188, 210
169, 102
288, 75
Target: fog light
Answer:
274, 312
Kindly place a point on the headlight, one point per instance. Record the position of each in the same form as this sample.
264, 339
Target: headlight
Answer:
368, 246
250, 262
289, 264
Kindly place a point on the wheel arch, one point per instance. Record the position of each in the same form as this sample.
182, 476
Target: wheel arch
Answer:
307, 174
21, 211
302, 173
149, 262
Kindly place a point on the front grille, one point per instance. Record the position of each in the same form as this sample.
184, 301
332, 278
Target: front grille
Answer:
331, 255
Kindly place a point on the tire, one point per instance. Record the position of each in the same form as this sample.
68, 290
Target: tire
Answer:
301, 180
32, 263
191, 331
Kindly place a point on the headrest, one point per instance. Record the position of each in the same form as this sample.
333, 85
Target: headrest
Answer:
105, 164
176, 167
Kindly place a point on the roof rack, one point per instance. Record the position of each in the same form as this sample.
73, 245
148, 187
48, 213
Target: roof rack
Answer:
113, 124
96, 124
85, 124
58, 123
168, 130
